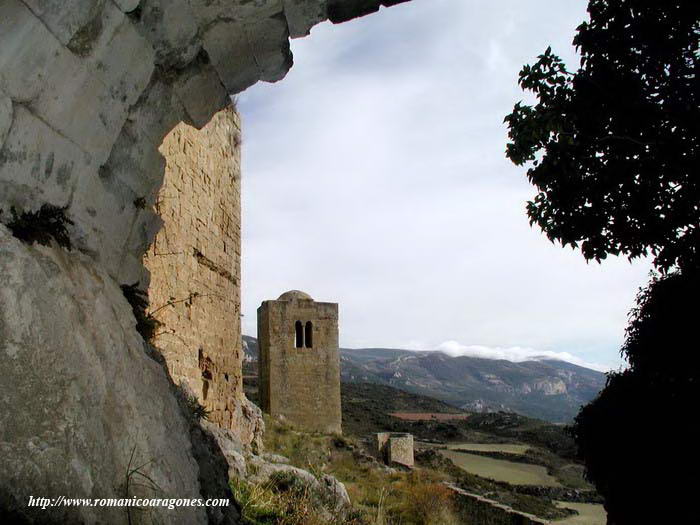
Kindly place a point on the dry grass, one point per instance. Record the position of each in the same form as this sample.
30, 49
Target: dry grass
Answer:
415, 498
379, 496
284, 500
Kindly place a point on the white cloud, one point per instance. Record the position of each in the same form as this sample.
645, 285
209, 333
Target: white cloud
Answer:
515, 354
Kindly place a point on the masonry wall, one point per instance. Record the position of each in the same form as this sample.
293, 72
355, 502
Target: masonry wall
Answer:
478, 509
301, 384
395, 447
195, 264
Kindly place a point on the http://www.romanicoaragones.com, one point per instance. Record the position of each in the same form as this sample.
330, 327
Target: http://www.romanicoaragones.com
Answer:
170, 503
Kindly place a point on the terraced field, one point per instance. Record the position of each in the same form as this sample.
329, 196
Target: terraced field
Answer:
501, 470
508, 448
429, 416
588, 514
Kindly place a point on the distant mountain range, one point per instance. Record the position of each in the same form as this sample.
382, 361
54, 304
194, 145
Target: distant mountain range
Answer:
544, 389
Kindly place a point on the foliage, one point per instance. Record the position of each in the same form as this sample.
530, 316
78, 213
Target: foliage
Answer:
379, 495
146, 324
283, 500
665, 313
43, 226
193, 408
613, 148
629, 458
137, 480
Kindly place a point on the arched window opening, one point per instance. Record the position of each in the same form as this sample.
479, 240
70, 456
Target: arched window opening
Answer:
298, 335
308, 334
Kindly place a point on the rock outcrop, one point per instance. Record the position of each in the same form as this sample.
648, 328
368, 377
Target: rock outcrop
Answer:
80, 402
264, 468
88, 91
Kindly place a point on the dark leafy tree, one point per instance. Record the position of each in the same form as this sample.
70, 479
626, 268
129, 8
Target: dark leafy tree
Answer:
613, 148
638, 436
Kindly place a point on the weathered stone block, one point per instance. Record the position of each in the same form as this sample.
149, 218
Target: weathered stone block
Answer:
143, 230
136, 162
5, 117
28, 53
251, 42
131, 270
201, 92
103, 211
36, 69
302, 15
120, 57
38, 165
344, 10
231, 54
208, 11
81, 107
155, 114
68, 18
269, 42
171, 26
395, 448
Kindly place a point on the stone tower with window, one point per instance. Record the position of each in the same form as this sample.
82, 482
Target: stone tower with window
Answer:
299, 361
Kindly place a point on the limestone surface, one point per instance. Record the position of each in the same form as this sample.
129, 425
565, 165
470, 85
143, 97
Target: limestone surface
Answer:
89, 90
101, 83
79, 399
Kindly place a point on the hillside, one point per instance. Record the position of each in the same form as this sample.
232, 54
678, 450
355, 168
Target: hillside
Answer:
547, 389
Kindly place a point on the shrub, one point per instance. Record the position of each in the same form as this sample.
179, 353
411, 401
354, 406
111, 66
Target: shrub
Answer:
43, 226
146, 324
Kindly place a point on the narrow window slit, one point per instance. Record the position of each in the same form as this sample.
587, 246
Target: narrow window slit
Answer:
308, 334
298, 335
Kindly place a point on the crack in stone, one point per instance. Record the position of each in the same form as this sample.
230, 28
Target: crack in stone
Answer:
208, 263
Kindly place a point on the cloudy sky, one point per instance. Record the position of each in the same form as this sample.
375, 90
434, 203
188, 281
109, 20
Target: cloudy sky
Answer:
375, 177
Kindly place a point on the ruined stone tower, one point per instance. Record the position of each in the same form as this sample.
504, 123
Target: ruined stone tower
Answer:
299, 362
195, 266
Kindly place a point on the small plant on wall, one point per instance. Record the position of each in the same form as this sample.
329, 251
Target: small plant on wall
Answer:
42, 226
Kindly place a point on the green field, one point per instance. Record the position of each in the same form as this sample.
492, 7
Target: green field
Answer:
501, 470
588, 514
490, 447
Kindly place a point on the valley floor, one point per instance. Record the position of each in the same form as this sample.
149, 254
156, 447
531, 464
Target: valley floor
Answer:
525, 464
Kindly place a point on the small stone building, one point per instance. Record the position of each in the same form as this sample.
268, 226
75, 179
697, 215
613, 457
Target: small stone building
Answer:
394, 447
299, 361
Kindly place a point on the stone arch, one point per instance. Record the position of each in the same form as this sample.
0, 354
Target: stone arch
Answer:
88, 91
